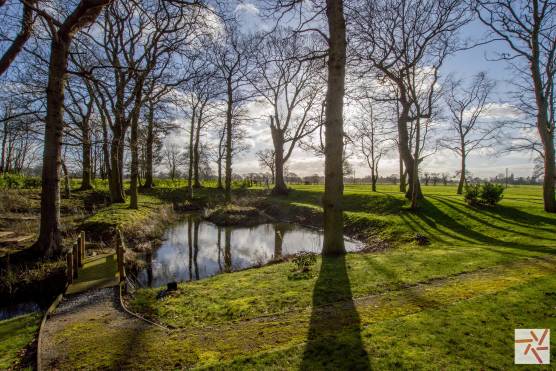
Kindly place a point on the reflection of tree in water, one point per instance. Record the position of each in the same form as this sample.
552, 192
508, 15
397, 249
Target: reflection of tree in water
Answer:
190, 247
149, 259
280, 230
196, 247
219, 246
227, 250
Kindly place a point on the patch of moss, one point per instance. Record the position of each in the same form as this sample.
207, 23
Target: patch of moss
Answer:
16, 334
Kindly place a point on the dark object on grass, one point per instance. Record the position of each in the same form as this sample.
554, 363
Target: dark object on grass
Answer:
171, 286
421, 240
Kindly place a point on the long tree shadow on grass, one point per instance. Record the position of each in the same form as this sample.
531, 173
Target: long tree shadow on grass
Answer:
481, 216
378, 203
435, 218
334, 338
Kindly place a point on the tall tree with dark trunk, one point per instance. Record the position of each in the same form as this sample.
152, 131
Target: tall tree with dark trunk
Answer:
333, 242
527, 28
49, 242
466, 104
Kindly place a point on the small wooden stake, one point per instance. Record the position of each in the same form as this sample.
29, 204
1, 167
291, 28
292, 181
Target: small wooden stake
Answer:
69, 262
83, 245
75, 260
79, 255
120, 255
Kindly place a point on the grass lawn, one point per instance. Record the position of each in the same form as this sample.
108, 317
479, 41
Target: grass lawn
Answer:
15, 334
451, 304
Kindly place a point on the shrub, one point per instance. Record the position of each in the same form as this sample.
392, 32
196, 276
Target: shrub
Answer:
471, 193
32, 182
491, 193
486, 194
11, 181
304, 260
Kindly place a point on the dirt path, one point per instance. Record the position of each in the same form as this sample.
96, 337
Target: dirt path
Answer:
99, 306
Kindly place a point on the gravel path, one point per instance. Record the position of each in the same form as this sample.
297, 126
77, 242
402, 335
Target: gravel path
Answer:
94, 305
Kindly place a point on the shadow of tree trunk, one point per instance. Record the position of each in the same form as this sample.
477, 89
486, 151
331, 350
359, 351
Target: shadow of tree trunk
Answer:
334, 338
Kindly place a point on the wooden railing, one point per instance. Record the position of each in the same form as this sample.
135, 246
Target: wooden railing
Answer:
75, 257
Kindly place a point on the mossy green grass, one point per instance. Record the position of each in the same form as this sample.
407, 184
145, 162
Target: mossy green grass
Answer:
15, 334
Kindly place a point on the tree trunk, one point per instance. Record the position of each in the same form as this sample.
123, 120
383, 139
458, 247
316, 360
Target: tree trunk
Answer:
373, 180
549, 174
462, 175
134, 173
116, 186
196, 155
228, 170
191, 153
219, 185
402, 176
149, 155
280, 187
50, 239
333, 242
86, 177
546, 132
3, 156
408, 160
67, 183
49, 242
414, 190
106, 169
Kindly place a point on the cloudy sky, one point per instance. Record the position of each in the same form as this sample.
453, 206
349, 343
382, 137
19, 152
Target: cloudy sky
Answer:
463, 65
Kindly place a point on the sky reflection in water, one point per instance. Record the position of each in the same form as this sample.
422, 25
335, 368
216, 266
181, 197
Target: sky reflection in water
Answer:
195, 249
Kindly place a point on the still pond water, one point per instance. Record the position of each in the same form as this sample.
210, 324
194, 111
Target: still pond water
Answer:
195, 249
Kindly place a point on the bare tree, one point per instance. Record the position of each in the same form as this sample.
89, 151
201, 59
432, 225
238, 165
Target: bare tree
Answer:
49, 242
403, 44
174, 158
267, 160
231, 60
371, 136
466, 104
291, 85
527, 27
79, 110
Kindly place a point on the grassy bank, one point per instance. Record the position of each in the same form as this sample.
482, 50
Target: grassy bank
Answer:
15, 335
479, 274
451, 304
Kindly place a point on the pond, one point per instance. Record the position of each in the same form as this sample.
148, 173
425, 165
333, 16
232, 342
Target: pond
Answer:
195, 249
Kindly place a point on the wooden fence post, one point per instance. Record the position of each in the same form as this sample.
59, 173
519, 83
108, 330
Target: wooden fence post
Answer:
75, 260
69, 262
79, 256
83, 245
120, 254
